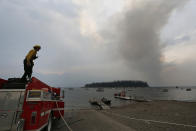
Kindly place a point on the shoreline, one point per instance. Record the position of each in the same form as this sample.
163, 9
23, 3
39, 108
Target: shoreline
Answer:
120, 118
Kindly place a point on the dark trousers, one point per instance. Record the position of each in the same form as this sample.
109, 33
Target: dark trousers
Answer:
27, 70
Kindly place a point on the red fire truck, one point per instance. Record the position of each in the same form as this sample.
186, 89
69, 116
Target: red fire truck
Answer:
29, 106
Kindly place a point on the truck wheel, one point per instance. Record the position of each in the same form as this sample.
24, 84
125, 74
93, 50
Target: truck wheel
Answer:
49, 126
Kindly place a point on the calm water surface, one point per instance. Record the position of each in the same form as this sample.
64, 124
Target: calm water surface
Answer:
79, 97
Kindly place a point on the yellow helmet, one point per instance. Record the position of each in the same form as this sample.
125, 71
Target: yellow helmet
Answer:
37, 46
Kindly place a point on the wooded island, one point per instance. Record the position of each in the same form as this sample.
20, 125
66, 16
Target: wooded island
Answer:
129, 83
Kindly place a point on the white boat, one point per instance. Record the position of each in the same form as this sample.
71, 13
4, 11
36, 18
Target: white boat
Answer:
123, 97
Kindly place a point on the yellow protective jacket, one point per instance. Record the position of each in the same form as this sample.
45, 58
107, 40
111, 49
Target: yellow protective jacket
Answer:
30, 56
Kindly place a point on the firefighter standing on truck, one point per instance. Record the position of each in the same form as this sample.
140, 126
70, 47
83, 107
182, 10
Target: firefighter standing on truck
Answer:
28, 62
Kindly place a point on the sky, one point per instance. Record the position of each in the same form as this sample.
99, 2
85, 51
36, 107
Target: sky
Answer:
86, 41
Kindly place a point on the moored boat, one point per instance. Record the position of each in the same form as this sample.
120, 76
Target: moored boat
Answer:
106, 101
165, 90
93, 101
122, 95
100, 90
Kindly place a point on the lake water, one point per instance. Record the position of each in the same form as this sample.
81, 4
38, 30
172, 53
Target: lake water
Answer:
79, 97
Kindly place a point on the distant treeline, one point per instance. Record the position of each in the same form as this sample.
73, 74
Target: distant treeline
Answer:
119, 84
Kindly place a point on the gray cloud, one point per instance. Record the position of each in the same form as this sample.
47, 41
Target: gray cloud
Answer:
180, 74
139, 36
25, 23
51, 24
66, 58
131, 48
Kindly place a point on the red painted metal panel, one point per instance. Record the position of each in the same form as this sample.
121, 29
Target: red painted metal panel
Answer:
56, 90
37, 84
2, 81
42, 108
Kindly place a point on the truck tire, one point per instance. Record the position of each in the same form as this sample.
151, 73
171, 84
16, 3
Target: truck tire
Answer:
49, 126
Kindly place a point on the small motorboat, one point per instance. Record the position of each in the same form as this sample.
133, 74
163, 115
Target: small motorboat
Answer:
165, 90
100, 90
188, 89
93, 101
106, 101
70, 89
122, 95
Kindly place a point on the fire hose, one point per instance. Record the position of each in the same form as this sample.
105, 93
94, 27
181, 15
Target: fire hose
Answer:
69, 128
63, 118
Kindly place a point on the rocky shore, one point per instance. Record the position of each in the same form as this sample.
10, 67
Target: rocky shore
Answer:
138, 116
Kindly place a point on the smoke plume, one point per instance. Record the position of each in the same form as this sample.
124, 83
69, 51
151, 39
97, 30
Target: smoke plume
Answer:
139, 35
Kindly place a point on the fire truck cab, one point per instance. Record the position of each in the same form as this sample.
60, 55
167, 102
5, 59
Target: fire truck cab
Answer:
29, 106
